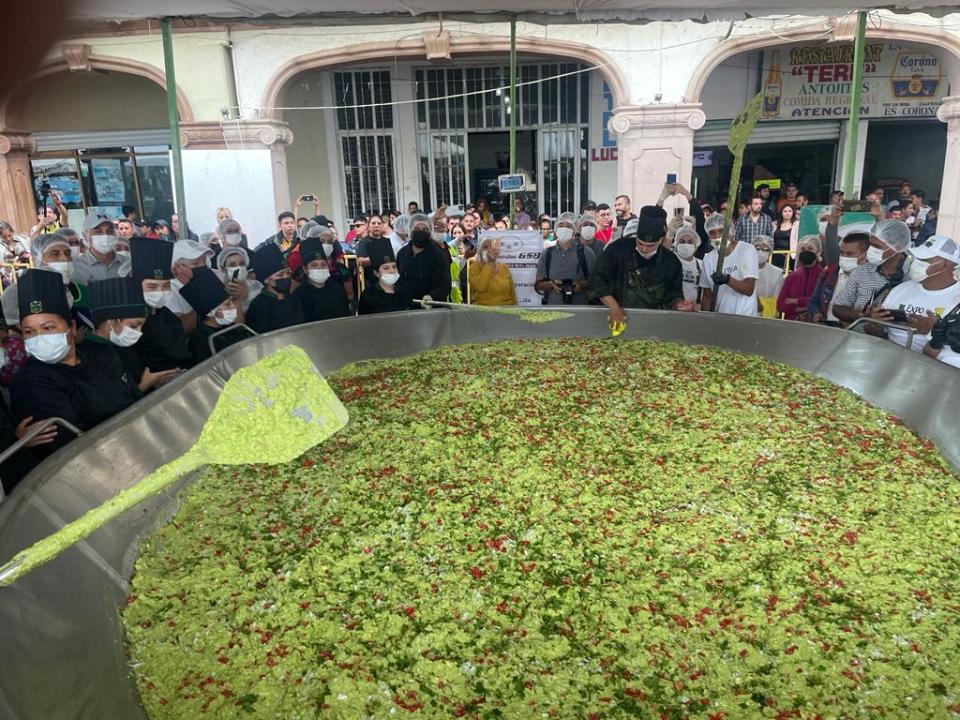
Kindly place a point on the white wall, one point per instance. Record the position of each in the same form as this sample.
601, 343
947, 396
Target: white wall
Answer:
731, 85
242, 180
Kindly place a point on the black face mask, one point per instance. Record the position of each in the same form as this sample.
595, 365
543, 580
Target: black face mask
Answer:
282, 286
420, 238
807, 257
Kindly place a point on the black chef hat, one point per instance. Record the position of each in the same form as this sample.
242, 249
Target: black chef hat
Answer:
378, 258
116, 298
311, 249
652, 224
42, 291
204, 292
267, 260
151, 259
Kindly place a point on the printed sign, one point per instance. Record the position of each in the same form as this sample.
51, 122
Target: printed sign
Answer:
108, 180
703, 158
814, 81
520, 251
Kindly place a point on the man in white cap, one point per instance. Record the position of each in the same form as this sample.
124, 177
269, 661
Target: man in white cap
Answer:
187, 256
931, 292
100, 262
885, 268
737, 292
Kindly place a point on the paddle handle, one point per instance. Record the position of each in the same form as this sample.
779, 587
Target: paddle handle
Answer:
47, 549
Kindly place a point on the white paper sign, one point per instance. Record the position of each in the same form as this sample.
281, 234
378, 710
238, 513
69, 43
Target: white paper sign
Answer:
520, 251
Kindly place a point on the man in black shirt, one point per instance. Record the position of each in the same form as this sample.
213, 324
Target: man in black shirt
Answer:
424, 268
637, 272
274, 308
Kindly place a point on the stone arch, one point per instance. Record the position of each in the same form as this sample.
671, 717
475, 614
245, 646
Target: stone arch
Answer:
890, 30
416, 48
11, 107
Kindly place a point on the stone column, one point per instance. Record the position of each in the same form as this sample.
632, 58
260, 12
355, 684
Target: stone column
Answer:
948, 219
652, 141
17, 203
241, 165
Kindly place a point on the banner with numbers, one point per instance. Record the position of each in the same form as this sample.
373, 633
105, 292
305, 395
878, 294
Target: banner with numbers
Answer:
520, 251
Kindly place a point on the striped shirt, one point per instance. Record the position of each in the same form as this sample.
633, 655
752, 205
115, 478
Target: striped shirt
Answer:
863, 287
747, 229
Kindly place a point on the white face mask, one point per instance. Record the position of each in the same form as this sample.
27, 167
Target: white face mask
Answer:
232, 239
127, 337
319, 276
327, 249
920, 271
64, 268
389, 278
564, 234
588, 232
875, 256
849, 264
647, 255
686, 250
103, 243
226, 317
50, 348
762, 257
236, 274
157, 298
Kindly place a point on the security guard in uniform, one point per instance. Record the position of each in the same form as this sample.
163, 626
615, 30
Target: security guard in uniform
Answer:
163, 345
83, 384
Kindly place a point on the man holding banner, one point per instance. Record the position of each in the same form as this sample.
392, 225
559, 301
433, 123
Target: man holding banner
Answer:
637, 272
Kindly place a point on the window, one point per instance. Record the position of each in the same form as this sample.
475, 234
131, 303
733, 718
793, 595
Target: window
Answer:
366, 140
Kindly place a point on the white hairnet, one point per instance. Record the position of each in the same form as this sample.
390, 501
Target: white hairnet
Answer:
811, 241
894, 233
39, 245
586, 220
568, 218
687, 231
224, 254
420, 219
401, 226
763, 240
228, 226
714, 222
305, 228
318, 230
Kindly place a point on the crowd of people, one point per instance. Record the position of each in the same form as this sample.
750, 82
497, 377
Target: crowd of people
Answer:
94, 320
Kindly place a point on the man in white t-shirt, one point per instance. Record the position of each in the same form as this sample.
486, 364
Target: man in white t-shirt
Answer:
685, 244
931, 292
737, 281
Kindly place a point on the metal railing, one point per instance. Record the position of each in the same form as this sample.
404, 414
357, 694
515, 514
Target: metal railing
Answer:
224, 331
909, 329
30, 435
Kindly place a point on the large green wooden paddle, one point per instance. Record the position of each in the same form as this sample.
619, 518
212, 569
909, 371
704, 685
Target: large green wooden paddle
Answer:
269, 413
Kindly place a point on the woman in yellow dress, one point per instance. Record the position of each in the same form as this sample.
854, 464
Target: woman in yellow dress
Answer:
490, 280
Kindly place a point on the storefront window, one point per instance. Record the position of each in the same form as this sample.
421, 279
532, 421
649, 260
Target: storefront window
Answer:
107, 179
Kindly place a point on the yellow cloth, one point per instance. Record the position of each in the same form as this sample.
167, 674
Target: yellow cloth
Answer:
768, 307
487, 288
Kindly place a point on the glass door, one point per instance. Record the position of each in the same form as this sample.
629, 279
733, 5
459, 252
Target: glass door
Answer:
560, 168
443, 168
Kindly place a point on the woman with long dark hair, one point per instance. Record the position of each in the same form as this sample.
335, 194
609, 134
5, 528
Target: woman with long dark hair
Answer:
785, 231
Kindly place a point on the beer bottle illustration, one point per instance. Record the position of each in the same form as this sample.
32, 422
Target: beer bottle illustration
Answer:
773, 88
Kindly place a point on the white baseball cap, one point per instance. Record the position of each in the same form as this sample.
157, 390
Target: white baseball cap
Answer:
95, 220
938, 246
188, 250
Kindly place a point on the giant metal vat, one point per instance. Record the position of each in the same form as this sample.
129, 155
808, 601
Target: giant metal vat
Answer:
61, 647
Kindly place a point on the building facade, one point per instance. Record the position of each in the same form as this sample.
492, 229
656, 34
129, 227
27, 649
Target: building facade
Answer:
373, 112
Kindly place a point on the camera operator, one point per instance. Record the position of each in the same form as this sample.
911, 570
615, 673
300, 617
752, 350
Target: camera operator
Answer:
564, 269
944, 343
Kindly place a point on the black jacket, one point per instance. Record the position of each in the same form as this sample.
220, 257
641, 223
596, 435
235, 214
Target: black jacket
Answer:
375, 300
85, 394
323, 303
424, 273
635, 282
267, 312
164, 343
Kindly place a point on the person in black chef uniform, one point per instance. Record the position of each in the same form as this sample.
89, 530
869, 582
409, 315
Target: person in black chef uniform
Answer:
83, 384
119, 314
274, 308
322, 297
424, 268
385, 294
163, 345
216, 310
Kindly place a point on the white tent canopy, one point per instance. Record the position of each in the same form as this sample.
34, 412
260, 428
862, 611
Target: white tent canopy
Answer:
584, 10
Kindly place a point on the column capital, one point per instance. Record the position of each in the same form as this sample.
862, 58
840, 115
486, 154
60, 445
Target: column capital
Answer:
657, 119
13, 141
235, 134
949, 110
